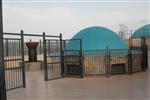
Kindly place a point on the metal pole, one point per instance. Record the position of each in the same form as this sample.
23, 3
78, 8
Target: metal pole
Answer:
40, 47
130, 61
81, 59
45, 58
108, 62
2, 71
22, 53
131, 40
6, 47
62, 55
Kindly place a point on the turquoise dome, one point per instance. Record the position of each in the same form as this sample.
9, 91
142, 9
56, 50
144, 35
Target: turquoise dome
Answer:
142, 32
97, 38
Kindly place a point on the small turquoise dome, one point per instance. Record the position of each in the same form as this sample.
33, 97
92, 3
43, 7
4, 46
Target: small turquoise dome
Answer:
142, 32
98, 38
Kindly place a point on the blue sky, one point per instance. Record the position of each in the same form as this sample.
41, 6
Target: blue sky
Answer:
54, 17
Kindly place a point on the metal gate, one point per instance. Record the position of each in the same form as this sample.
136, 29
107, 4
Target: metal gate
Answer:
13, 61
72, 59
141, 51
118, 61
52, 57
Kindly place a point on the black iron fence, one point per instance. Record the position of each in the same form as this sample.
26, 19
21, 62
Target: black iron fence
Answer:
66, 58
95, 62
53, 59
14, 57
52, 49
13, 62
72, 58
8, 45
114, 61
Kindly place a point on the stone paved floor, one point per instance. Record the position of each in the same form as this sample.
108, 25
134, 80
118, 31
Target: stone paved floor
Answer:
118, 87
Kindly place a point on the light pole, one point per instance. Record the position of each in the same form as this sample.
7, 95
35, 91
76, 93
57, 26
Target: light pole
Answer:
2, 72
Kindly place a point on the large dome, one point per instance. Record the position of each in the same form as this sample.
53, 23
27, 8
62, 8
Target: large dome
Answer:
99, 38
142, 32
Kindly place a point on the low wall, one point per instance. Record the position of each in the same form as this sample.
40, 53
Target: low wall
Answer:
120, 60
94, 65
98, 65
136, 63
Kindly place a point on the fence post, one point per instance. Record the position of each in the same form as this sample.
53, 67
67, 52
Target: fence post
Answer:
7, 48
40, 47
64, 55
81, 59
45, 58
3, 95
130, 61
108, 62
48, 48
61, 55
145, 57
22, 53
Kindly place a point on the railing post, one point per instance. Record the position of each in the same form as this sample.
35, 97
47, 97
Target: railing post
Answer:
48, 48
130, 62
64, 55
7, 47
81, 59
22, 54
45, 58
61, 55
108, 62
145, 57
3, 95
40, 47
131, 40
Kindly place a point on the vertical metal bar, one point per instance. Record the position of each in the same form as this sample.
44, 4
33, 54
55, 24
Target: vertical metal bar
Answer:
11, 63
131, 40
40, 47
7, 45
45, 58
2, 71
108, 62
22, 54
81, 59
145, 57
131, 65
64, 57
61, 55
129, 62
48, 47
17, 70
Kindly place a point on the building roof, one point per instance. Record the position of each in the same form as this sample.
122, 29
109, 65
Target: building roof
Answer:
98, 38
144, 31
